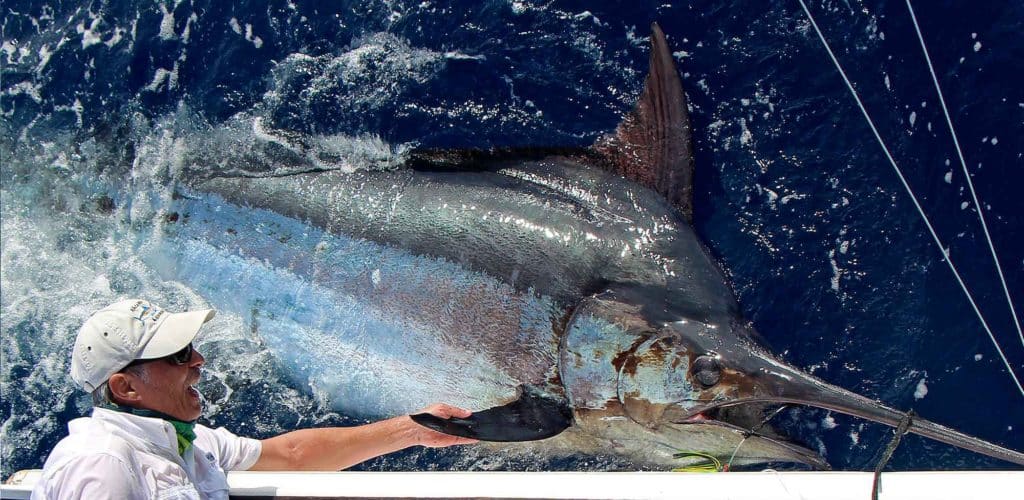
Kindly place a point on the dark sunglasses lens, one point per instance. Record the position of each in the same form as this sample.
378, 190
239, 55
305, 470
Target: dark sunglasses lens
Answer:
183, 356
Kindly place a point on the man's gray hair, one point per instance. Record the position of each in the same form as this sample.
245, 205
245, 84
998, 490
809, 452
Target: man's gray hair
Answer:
101, 396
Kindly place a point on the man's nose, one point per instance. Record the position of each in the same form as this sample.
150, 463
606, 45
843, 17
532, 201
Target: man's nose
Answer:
197, 359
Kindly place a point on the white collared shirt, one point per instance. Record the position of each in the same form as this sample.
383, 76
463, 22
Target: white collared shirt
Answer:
123, 456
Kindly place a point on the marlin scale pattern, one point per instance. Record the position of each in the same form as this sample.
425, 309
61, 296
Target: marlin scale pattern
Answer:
561, 294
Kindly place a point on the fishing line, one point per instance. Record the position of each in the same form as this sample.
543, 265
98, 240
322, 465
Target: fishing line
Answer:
753, 432
963, 163
913, 198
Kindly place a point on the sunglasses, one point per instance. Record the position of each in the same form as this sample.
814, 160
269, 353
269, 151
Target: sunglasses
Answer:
182, 357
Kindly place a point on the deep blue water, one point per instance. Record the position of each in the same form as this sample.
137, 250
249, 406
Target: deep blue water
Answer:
826, 252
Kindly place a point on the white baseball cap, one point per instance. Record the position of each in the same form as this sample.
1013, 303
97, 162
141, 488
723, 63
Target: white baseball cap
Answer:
126, 331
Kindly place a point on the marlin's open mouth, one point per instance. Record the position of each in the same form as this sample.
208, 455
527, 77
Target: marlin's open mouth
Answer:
752, 419
696, 419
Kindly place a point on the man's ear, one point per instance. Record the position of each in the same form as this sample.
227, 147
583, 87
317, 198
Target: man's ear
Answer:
122, 388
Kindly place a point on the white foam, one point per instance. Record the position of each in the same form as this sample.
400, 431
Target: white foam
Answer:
256, 41
167, 23
90, 36
746, 137
790, 197
772, 197
186, 34
829, 422
161, 77
134, 32
922, 389
44, 58
25, 88
587, 15
10, 50
459, 56
837, 273
76, 107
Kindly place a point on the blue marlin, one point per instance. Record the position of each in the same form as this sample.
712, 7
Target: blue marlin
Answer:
562, 294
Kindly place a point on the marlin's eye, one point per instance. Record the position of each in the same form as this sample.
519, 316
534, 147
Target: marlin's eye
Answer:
706, 371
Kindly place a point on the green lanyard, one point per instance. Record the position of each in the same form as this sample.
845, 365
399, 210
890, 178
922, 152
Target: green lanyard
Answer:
185, 430
186, 434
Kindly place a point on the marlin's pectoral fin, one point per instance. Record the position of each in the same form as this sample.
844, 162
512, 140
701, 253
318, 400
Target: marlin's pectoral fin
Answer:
532, 417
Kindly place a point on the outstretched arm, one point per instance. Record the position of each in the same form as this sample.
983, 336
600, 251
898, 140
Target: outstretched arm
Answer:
336, 448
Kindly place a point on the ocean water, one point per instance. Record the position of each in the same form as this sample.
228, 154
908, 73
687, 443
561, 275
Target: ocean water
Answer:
103, 102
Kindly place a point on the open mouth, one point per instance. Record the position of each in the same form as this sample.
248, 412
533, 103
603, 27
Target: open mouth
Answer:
192, 390
752, 418
196, 375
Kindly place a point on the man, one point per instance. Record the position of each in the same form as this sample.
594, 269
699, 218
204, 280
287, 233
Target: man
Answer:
142, 441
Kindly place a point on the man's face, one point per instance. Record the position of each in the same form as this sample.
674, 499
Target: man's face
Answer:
168, 388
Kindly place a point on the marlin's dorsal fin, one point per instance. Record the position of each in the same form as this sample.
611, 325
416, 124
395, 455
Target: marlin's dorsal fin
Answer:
652, 144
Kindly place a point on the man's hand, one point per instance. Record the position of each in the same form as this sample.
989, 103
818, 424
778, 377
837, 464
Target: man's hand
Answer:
433, 439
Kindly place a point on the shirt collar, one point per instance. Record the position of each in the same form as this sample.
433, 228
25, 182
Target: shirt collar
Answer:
154, 431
